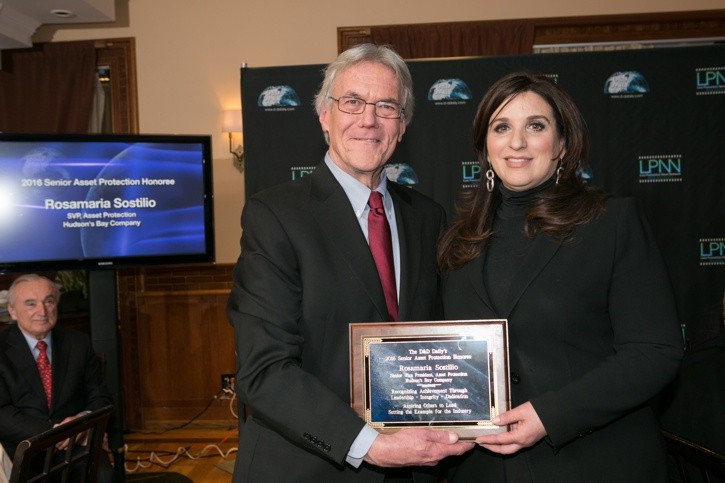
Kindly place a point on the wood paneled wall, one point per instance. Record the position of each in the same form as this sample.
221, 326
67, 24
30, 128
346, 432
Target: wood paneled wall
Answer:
175, 343
519, 36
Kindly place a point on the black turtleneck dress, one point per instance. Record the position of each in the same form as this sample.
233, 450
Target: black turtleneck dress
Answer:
506, 252
593, 336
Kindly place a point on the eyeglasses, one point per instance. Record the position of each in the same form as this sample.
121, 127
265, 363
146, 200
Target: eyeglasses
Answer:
355, 105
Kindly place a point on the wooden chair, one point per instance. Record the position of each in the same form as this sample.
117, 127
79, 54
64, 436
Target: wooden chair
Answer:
692, 458
31, 452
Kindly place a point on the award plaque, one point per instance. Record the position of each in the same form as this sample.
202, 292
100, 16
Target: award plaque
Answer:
450, 375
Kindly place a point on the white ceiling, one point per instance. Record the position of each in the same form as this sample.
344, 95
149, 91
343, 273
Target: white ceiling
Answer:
19, 19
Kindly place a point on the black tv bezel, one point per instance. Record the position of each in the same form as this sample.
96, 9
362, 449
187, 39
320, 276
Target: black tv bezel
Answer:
127, 261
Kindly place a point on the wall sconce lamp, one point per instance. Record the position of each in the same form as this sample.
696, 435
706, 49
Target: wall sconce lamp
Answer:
232, 123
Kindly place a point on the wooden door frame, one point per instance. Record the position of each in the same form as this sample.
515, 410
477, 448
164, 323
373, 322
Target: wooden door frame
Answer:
120, 56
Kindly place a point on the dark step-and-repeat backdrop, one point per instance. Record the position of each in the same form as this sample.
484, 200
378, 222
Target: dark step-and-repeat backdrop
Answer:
657, 123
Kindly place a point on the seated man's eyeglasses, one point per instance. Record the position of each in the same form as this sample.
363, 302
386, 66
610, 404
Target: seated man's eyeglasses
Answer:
355, 105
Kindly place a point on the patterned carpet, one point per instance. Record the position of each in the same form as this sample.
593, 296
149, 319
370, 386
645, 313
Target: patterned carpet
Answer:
159, 477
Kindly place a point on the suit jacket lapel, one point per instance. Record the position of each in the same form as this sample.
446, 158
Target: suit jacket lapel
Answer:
19, 353
409, 227
474, 273
542, 250
336, 219
59, 364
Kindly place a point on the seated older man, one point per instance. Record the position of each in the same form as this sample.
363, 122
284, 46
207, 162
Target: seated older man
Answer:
48, 374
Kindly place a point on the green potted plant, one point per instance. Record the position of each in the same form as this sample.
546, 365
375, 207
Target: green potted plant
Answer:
73, 286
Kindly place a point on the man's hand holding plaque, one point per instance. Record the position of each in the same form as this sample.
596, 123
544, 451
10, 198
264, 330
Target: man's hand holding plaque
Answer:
415, 447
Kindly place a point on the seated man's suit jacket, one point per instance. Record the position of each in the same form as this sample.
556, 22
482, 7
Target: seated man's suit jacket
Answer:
77, 384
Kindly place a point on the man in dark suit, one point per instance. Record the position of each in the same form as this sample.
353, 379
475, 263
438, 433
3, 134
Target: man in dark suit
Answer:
75, 384
306, 271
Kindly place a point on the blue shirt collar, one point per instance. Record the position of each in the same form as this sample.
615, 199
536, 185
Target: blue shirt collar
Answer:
356, 191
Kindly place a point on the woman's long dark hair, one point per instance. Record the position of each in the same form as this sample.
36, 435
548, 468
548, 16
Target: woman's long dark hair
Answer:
558, 210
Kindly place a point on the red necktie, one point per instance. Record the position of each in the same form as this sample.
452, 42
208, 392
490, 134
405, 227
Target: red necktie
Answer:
44, 368
381, 246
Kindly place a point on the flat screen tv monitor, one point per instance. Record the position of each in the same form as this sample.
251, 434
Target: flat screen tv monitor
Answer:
104, 201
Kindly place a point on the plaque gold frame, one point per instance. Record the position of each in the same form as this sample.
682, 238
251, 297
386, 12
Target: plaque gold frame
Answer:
451, 375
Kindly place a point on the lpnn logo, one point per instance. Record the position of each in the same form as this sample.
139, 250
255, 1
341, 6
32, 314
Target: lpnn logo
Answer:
659, 169
710, 80
712, 251
470, 173
301, 171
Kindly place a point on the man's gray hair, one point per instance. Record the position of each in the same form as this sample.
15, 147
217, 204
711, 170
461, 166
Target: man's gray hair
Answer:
30, 277
380, 54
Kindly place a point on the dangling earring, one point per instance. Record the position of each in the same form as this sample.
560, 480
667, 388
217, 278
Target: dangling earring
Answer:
559, 170
489, 179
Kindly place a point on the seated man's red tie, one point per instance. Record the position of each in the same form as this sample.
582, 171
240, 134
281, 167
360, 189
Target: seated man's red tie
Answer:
44, 368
